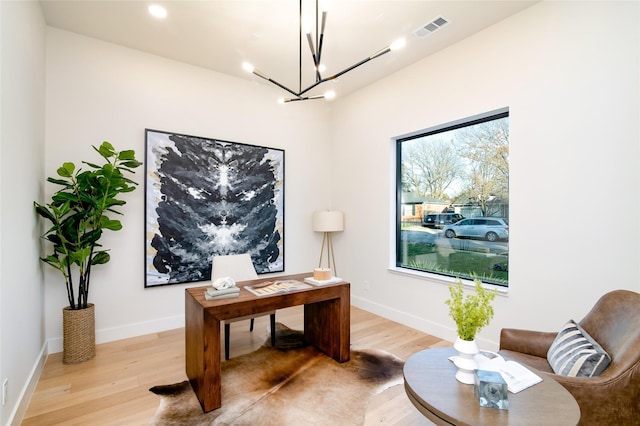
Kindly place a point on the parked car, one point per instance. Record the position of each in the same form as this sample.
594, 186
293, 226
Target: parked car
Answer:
489, 228
440, 220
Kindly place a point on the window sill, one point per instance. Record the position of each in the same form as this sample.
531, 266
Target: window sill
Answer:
441, 279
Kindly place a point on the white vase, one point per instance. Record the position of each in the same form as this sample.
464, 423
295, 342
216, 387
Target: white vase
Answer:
465, 360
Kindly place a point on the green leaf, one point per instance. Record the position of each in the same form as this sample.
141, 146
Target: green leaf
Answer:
131, 164
106, 150
108, 171
113, 225
66, 170
91, 237
100, 258
44, 212
79, 256
110, 202
51, 259
128, 154
94, 166
55, 239
62, 209
127, 188
64, 196
59, 181
129, 181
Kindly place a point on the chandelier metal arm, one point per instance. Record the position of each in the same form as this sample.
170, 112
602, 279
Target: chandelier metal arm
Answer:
303, 98
300, 49
344, 71
272, 81
320, 40
319, 56
316, 58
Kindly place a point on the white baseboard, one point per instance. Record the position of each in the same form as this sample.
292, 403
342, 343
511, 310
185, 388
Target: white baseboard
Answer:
440, 331
20, 410
126, 331
430, 327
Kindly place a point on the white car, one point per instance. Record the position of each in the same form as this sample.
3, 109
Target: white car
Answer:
489, 228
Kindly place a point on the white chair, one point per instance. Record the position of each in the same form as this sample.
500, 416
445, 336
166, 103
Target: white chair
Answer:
240, 268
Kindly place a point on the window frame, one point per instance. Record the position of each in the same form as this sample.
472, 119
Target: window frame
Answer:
396, 221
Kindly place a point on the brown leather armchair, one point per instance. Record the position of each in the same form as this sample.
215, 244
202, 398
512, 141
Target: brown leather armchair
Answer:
612, 398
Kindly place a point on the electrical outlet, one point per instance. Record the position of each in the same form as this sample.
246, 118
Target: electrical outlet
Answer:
5, 390
366, 285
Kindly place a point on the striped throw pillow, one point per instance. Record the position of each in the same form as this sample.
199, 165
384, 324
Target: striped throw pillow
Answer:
574, 353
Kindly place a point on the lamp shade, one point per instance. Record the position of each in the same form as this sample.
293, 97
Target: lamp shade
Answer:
328, 221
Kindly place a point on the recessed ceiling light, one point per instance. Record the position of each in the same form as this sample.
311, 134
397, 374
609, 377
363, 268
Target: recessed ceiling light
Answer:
158, 11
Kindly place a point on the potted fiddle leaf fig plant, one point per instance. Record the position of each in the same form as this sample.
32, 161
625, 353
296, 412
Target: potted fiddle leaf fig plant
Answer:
79, 211
471, 313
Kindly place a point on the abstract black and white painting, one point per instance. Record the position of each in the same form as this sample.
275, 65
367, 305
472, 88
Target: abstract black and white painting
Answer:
207, 197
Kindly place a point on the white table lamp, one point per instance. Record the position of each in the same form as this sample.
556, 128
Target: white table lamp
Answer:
328, 221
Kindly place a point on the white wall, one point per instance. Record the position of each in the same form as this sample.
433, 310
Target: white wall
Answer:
22, 80
569, 73
99, 91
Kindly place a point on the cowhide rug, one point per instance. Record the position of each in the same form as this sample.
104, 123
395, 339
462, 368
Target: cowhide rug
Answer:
291, 385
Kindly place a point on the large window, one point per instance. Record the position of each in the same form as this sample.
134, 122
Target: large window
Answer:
453, 199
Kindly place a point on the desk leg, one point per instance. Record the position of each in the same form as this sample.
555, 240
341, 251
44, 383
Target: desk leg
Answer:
327, 326
202, 351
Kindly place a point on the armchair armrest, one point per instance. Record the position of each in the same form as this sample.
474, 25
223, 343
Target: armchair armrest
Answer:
529, 342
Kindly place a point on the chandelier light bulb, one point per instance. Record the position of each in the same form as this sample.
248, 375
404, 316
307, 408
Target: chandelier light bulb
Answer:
157, 11
247, 67
328, 95
398, 44
322, 68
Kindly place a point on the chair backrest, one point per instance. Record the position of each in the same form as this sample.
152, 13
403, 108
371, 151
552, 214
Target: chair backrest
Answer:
237, 266
614, 322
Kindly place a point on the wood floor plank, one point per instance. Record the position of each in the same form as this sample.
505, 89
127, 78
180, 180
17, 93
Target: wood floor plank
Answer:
113, 387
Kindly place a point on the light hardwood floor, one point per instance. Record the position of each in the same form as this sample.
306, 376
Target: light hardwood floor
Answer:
113, 387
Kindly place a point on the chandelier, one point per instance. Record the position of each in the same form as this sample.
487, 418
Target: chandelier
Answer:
316, 54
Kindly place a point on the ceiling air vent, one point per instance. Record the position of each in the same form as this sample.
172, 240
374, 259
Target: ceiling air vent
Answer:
430, 27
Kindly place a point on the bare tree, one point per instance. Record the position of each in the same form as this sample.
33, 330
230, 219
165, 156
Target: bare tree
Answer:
429, 168
486, 148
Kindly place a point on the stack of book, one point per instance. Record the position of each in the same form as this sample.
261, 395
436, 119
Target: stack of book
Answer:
223, 288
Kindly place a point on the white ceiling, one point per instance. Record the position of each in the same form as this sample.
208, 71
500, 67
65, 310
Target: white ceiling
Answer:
221, 34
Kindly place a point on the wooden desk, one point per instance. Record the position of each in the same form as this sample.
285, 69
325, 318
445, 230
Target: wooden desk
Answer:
326, 326
430, 384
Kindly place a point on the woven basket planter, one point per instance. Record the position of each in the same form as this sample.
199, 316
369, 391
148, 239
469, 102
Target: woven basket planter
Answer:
79, 334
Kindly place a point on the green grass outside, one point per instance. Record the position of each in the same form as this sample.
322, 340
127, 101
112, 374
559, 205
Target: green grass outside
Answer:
460, 263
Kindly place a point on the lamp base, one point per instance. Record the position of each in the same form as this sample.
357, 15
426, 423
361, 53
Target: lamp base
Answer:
332, 280
322, 274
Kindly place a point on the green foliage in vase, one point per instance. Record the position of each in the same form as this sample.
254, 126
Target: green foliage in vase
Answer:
79, 211
471, 312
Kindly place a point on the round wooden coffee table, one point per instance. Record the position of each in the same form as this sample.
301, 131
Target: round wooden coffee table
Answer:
430, 384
